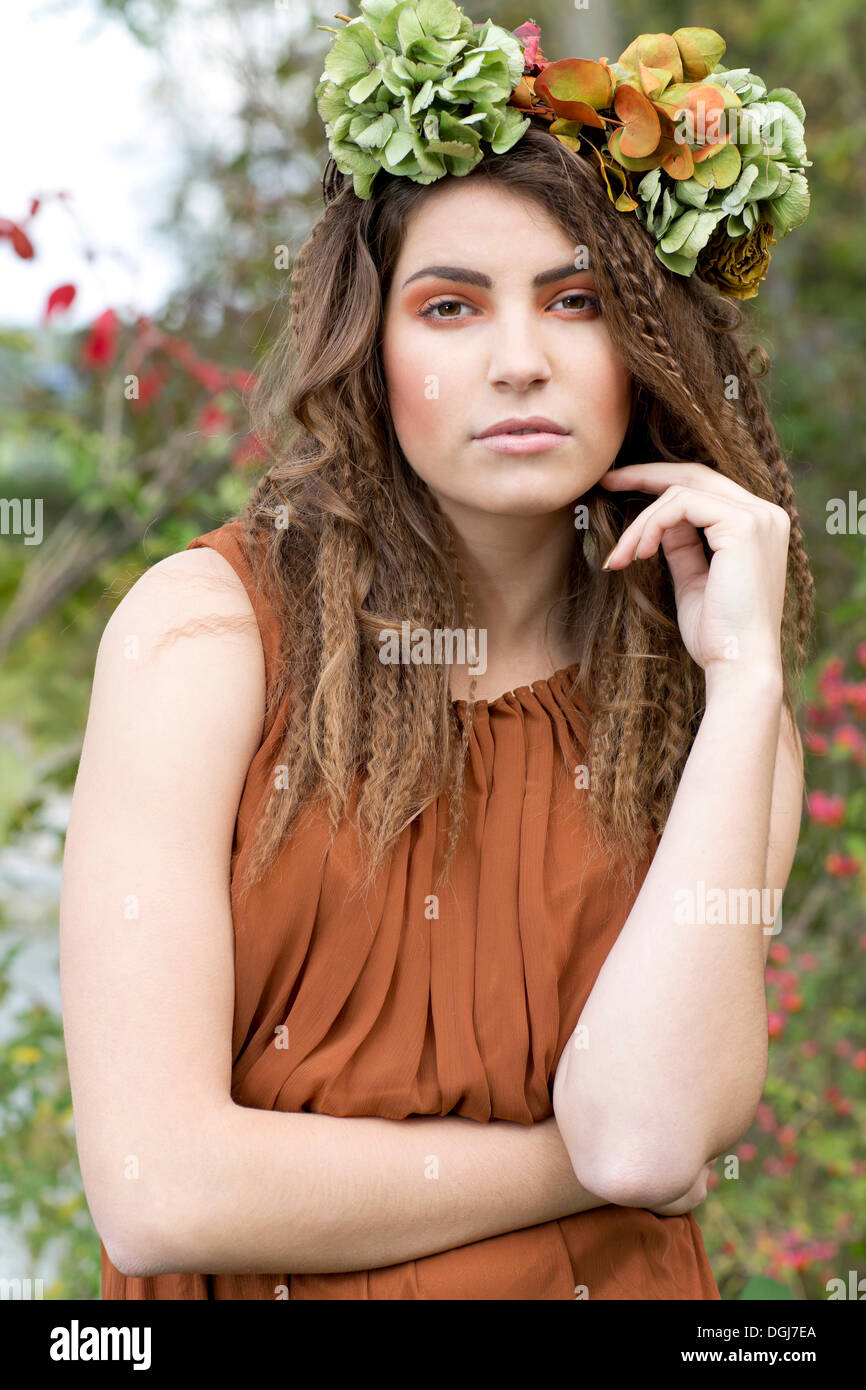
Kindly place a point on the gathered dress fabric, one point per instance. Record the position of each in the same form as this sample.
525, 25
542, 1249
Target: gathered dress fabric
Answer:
403, 1004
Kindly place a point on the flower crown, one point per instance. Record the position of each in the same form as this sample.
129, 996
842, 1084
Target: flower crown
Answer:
708, 160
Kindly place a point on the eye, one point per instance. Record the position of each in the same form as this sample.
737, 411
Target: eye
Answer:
431, 310
592, 299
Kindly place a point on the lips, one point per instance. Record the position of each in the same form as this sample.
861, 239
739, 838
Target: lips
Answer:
530, 424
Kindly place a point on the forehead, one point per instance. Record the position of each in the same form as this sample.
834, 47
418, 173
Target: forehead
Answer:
481, 223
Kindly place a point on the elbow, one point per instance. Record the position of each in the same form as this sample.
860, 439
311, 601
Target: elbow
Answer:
151, 1240
138, 1255
637, 1179
628, 1169
158, 1223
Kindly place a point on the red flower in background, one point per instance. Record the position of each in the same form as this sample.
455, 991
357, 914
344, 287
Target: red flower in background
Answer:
213, 420
249, 451
149, 388
241, 379
58, 301
842, 865
100, 346
21, 243
208, 375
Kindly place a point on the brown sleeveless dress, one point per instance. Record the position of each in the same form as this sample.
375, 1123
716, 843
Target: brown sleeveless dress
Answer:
392, 1013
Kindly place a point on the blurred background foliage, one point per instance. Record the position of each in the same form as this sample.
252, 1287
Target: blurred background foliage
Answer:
127, 479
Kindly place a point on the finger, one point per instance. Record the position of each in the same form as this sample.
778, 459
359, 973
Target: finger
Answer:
658, 475
641, 538
684, 553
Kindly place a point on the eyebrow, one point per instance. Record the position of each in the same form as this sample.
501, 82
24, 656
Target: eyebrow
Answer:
476, 277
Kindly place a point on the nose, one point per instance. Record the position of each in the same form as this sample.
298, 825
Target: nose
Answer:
518, 358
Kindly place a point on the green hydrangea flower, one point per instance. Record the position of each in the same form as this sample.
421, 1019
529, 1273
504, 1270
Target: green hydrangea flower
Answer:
756, 178
412, 87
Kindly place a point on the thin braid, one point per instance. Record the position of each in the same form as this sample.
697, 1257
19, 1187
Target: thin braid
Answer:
755, 423
633, 278
457, 781
800, 575
302, 287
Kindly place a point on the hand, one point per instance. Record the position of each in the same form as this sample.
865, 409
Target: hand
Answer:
728, 610
691, 1199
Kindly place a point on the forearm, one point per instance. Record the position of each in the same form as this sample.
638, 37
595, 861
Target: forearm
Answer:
676, 1021
262, 1191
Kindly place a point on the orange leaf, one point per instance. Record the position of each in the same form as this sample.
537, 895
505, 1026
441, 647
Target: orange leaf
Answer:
641, 123
678, 161
574, 83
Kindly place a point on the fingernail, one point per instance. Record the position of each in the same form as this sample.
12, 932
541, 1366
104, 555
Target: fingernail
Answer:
610, 556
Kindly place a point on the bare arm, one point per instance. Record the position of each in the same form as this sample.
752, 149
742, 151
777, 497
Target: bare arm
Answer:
314, 1193
676, 1020
177, 1176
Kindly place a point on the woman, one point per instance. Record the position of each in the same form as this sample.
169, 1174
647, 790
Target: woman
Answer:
374, 982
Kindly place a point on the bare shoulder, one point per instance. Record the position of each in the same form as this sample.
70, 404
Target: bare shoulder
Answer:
187, 585
183, 648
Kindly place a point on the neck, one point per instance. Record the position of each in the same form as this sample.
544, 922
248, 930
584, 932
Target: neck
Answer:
516, 569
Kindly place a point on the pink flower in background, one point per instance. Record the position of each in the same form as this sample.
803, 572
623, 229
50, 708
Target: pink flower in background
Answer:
849, 736
765, 1117
815, 743
818, 716
856, 696
830, 684
533, 57
825, 809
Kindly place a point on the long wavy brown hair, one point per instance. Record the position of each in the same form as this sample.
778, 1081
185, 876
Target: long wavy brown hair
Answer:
347, 540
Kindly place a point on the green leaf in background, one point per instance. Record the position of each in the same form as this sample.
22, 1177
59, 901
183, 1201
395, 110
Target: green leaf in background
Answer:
760, 1287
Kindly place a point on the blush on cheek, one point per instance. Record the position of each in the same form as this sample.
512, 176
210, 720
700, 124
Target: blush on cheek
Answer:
416, 397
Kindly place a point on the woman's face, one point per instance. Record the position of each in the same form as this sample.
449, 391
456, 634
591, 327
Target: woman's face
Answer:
470, 340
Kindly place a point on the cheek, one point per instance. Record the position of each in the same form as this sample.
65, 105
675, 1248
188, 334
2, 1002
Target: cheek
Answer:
419, 383
612, 387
